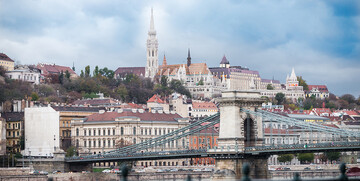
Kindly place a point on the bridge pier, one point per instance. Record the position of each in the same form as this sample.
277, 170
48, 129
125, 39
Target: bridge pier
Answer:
237, 131
230, 168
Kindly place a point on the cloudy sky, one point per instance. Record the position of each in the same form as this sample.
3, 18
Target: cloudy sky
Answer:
320, 39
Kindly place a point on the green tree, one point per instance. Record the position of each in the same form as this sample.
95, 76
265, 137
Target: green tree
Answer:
164, 81
285, 158
349, 98
70, 151
303, 83
67, 74
333, 156
82, 74
61, 77
87, 71
280, 97
96, 71
122, 92
269, 87
34, 96
305, 157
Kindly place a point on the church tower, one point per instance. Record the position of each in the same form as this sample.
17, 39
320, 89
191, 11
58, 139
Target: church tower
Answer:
152, 63
189, 58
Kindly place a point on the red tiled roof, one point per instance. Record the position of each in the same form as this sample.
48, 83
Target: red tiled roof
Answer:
351, 113
156, 98
319, 111
3, 56
54, 69
145, 116
139, 71
204, 105
321, 88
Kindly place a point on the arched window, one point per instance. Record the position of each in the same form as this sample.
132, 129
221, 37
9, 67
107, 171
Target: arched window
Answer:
77, 143
84, 132
134, 130
77, 131
122, 130
134, 140
153, 53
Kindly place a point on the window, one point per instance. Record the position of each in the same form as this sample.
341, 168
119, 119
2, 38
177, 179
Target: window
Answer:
77, 143
134, 140
104, 143
134, 131
94, 143
150, 131
77, 131
113, 142
122, 130
145, 131
89, 143
99, 132
142, 131
109, 143
99, 143
155, 131
94, 132
108, 131
84, 132
89, 132
113, 131
104, 132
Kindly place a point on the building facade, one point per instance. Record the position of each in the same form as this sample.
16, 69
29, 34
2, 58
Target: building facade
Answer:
14, 130
203, 109
27, 74
66, 115
41, 131
105, 131
6, 62
319, 91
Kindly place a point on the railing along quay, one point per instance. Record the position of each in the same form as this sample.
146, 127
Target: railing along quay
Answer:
246, 176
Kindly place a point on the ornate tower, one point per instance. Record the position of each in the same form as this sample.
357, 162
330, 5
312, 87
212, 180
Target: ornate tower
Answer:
152, 63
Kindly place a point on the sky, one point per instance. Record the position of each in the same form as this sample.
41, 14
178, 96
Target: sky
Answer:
319, 39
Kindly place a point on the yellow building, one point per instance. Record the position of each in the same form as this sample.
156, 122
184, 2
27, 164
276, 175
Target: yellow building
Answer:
6, 62
14, 130
66, 115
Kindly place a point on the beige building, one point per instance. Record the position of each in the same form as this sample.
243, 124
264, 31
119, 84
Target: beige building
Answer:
14, 130
105, 131
6, 62
181, 105
203, 109
155, 103
66, 115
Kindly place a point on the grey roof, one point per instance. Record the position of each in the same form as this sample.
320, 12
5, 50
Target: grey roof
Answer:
224, 60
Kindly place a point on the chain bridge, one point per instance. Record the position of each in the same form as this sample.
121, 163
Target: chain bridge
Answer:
241, 138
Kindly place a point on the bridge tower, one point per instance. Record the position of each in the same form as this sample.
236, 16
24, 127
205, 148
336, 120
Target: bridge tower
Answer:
237, 131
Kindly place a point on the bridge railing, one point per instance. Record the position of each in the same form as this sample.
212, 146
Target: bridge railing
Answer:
246, 175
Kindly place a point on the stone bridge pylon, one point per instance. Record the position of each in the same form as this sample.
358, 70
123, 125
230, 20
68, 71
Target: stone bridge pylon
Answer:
237, 131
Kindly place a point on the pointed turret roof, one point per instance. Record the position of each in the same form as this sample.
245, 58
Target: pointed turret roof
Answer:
164, 61
189, 58
224, 60
293, 75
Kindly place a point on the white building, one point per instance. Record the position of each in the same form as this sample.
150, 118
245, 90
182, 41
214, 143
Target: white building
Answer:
41, 131
26, 74
292, 91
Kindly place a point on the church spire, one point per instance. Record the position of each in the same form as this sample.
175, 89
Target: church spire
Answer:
152, 21
152, 64
164, 61
188, 58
